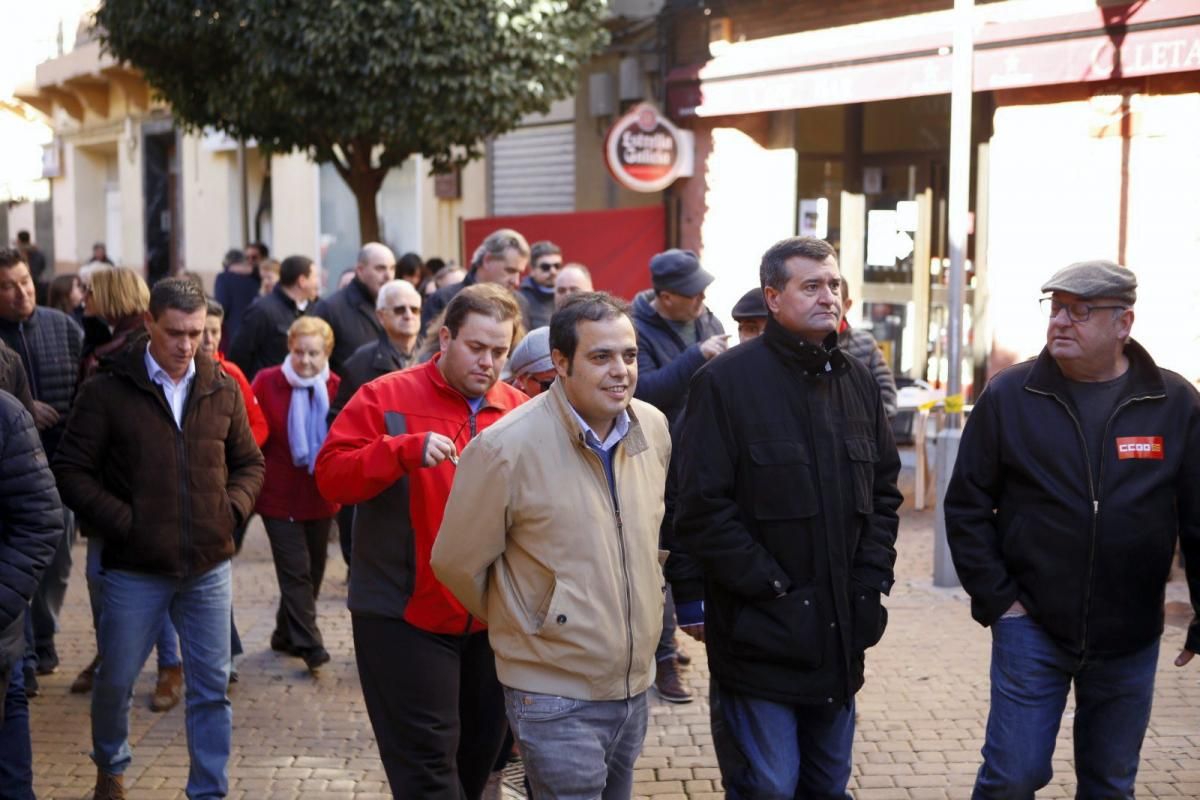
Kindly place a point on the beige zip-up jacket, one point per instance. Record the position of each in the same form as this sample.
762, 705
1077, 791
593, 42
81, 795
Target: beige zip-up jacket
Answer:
532, 541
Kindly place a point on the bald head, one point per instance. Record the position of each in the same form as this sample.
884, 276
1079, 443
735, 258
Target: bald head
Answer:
572, 279
376, 266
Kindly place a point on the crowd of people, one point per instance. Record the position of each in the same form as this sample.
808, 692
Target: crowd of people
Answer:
536, 485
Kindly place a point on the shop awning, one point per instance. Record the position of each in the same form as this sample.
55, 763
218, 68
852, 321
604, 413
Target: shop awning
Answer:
910, 57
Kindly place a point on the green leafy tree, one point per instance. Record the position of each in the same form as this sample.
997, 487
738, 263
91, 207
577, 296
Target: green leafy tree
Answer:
361, 84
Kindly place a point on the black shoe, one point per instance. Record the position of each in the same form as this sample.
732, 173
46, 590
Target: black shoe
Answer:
47, 661
31, 681
280, 644
315, 657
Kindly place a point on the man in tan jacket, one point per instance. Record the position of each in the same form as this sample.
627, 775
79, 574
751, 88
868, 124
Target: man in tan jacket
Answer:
551, 535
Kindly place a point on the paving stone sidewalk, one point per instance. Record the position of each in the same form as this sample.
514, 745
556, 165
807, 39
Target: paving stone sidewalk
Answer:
921, 713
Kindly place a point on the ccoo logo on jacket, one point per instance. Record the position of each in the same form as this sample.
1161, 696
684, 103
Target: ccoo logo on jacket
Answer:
1140, 447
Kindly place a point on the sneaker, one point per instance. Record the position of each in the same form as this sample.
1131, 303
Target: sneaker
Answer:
109, 787
84, 680
169, 689
671, 687
31, 681
315, 658
681, 656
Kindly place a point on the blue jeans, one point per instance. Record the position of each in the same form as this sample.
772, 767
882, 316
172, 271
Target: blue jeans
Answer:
16, 751
166, 645
134, 604
773, 751
1031, 676
577, 749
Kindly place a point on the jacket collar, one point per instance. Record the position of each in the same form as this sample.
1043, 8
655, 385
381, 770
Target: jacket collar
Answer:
357, 295
815, 360
1144, 375
284, 298
387, 356
494, 398
131, 365
26, 324
556, 398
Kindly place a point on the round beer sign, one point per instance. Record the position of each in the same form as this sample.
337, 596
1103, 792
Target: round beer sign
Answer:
644, 151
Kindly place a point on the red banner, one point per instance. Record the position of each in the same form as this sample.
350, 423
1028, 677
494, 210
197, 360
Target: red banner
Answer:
615, 246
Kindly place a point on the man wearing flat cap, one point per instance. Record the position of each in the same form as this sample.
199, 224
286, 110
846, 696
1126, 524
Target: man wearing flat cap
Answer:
531, 365
750, 314
1076, 476
676, 335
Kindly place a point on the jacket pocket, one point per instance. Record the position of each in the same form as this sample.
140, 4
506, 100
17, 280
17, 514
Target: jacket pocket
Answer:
782, 480
785, 630
863, 456
870, 616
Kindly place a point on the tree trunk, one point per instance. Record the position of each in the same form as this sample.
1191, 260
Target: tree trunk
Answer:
365, 192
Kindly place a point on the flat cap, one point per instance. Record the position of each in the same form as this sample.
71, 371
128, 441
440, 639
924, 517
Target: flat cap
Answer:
532, 354
1089, 279
750, 306
678, 271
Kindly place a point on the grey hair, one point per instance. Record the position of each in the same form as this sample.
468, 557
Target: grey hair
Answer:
504, 239
391, 288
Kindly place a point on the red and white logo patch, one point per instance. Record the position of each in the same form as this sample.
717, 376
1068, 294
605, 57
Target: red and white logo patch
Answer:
1140, 447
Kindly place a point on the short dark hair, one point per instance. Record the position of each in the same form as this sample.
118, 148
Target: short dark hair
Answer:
293, 269
215, 309
232, 257
180, 294
773, 271
434, 265
543, 248
23, 237
262, 249
489, 299
589, 306
10, 257
409, 264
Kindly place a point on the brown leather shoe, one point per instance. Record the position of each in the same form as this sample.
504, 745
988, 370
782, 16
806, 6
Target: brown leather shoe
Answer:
169, 689
671, 687
84, 680
109, 787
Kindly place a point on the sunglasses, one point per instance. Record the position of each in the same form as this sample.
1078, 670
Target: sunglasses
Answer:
399, 310
547, 266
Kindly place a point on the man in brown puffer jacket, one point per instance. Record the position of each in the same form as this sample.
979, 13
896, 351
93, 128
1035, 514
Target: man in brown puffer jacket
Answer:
159, 461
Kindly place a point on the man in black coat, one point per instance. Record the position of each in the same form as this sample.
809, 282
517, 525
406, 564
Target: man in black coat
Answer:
49, 344
262, 338
788, 499
1076, 475
500, 259
31, 526
537, 288
351, 311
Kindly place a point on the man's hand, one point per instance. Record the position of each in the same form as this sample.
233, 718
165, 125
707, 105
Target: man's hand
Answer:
713, 346
694, 631
1184, 657
44, 416
438, 449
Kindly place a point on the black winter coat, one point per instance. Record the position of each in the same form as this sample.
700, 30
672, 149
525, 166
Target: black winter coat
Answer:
665, 365
537, 305
351, 314
788, 499
368, 362
261, 340
1087, 555
12, 376
31, 523
54, 341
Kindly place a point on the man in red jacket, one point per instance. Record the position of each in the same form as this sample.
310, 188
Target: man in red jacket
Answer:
427, 671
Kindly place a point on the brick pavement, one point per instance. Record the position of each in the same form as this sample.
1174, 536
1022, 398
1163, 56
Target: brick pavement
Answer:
921, 713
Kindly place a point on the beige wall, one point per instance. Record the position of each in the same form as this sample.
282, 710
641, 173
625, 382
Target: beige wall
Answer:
1055, 197
295, 206
440, 219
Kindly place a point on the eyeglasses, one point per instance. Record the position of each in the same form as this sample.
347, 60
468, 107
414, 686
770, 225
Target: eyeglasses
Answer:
546, 384
399, 310
1077, 311
548, 266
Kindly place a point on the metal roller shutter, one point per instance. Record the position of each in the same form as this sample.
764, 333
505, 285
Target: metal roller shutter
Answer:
533, 170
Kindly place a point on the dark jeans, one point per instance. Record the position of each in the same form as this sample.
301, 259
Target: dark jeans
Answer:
16, 751
1031, 677
666, 640
47, 601
772, 751
435, 705
299, 550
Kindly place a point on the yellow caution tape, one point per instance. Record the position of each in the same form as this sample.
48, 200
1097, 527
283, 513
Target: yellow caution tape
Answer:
932, 404
954, 404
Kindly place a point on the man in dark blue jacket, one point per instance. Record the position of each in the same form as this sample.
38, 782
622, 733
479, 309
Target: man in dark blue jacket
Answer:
1076, 475
31, 526
676, 335
351, 311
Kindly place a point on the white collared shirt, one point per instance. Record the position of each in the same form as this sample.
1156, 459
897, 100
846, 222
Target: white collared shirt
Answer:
175, 393
619, 429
